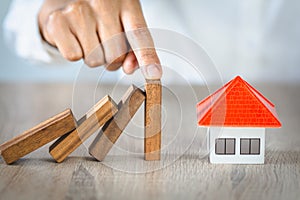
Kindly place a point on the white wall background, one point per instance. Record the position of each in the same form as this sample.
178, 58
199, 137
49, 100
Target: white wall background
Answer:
258, 39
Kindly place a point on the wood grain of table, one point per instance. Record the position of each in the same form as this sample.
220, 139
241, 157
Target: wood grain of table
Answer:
191, 176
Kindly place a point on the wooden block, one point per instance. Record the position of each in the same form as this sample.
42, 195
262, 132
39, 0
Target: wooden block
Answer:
152, 142
111, 131
38, 136
94, 119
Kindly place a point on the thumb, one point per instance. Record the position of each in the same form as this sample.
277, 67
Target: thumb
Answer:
141, 43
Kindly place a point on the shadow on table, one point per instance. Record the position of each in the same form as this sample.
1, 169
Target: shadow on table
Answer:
45, 161
282, 157
271, 157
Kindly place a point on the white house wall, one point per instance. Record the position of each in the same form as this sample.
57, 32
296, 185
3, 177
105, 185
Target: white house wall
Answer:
237, 133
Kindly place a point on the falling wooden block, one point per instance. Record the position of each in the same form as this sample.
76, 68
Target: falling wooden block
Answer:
38, 136
152, 141
111, 131
94, 119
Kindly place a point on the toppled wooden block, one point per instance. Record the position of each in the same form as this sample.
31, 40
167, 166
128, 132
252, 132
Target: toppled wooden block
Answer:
38, 136
111, 131
152, 142
94, 119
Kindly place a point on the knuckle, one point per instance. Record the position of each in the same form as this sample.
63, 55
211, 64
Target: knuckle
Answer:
148, 56
73, 56
115, 50
94, 63
55, 18
55, 22
94, 57
142, 36
139, 26
78, 7
80, 12
139, 31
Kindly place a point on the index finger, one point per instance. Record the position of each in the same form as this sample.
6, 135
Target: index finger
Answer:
140, 40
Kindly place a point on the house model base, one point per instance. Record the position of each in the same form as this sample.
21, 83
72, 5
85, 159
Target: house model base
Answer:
236, 145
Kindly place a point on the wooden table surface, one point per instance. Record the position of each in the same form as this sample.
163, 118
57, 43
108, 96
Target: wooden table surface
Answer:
184, 171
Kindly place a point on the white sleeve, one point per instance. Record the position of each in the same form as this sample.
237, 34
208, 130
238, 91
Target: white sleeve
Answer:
21, 33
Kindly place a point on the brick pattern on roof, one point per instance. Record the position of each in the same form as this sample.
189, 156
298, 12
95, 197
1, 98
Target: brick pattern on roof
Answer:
237, 106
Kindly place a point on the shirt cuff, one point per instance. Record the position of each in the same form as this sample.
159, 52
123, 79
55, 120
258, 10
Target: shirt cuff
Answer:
21, 33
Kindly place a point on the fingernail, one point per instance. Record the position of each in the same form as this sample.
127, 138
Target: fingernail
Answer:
152, 71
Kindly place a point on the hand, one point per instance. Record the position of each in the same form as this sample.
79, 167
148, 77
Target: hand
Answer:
92, 30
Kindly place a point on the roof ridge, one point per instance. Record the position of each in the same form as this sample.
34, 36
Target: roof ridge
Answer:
260, 94
229, 86
216, 92
206, 110
250, 88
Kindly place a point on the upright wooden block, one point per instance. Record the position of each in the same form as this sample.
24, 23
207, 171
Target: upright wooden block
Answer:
152, 142
111, 131
94, 119
38, 136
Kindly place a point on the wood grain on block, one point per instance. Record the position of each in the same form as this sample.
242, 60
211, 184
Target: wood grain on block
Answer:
38, 136
152, 142
111, 131
91, 122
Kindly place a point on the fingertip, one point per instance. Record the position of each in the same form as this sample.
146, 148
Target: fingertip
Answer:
72, 55
130, 69
130, 66
130, 63
93, 63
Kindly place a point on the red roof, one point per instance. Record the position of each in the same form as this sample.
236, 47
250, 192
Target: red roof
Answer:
237, 104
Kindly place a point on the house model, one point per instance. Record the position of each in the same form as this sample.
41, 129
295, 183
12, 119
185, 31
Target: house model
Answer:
236, 116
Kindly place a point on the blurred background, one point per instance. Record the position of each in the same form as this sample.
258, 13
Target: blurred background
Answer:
258, 39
